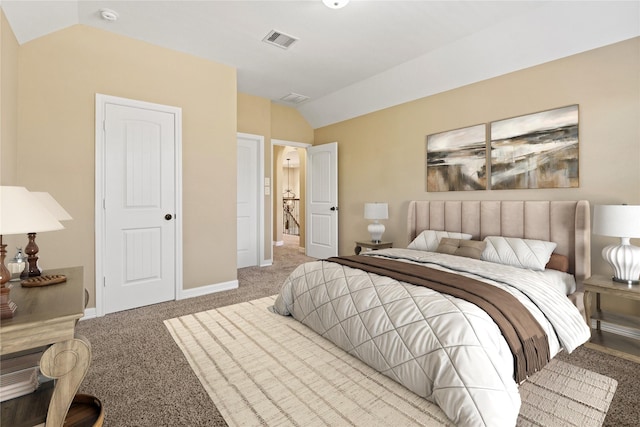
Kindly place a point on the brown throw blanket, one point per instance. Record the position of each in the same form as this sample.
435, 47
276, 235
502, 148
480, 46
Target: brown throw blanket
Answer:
524, 335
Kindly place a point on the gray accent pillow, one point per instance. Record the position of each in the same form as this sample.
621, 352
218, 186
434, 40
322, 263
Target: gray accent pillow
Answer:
429, 240
466, 248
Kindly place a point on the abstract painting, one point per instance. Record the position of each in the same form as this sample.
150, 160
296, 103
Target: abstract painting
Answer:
538, 150
457, 159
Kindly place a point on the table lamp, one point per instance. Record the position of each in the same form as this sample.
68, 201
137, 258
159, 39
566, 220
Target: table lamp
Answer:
376, 212
31, 269
20, 213
621, 221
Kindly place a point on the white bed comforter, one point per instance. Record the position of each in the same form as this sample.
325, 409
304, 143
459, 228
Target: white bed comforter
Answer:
442, 348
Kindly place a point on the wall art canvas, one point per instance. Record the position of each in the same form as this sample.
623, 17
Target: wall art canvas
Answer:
457, 159
538, 150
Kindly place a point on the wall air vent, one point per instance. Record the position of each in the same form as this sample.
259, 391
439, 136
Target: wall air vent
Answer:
279, 39
294, 98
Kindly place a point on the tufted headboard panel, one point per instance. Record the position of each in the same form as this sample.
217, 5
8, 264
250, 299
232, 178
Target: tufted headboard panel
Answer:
566, 223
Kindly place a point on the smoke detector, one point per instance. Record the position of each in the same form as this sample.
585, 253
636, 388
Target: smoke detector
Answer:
335, 4
109, 15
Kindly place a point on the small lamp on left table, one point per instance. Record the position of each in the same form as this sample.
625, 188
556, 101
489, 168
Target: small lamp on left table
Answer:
20, 213
376, 211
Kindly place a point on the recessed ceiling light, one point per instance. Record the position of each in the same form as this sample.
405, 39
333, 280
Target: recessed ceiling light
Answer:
335, 4
109, 14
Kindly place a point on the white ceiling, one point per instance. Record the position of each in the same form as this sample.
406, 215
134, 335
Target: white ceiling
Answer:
361, 58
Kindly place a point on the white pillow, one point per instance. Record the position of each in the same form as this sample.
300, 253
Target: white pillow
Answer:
563, 282
429, 240
523, 253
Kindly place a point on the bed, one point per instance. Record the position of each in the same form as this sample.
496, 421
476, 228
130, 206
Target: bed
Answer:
459, 325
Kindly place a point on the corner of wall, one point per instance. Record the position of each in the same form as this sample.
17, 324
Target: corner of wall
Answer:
8, 102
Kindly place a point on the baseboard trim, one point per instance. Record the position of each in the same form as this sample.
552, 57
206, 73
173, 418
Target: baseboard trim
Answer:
208, 289
90, 313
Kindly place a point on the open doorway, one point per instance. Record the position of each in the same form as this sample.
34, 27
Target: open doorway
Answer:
289, 176
290, 189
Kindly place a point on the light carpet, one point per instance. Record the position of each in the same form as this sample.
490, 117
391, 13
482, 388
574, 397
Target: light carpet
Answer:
260, 368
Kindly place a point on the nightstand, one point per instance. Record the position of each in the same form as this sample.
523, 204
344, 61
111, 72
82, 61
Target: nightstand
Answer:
607, 341
372, 245
46, 317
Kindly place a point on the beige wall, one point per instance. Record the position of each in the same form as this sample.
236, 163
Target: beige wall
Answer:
382, 154
59, 77
259, 116
8, 106
288, 124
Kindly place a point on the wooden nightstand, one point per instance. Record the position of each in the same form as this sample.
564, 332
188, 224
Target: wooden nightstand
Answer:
372, 245
606, 341
47, 316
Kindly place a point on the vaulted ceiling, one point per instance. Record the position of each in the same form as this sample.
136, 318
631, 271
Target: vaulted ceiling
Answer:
350, 61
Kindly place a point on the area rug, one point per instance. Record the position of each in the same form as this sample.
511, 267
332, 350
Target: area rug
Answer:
260, 368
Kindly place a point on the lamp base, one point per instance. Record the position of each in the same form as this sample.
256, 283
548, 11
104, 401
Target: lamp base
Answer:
376, 229
625, 260
627, 282
7, 307
31, 269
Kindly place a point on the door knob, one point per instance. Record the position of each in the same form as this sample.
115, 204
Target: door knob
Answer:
168, 217
334, 208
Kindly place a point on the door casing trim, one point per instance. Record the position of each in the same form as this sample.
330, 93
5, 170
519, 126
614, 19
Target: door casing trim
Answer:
100, 217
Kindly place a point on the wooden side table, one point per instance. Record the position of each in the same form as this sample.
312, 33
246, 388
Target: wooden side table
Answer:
47, 316
372, 245
610, 342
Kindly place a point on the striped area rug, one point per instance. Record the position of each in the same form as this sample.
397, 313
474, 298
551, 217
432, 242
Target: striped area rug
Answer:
260, 368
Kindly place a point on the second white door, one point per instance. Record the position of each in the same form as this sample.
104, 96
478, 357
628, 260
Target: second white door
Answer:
322, 200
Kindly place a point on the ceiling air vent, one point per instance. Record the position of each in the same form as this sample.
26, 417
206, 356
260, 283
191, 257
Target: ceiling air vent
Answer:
279, 39
294, 98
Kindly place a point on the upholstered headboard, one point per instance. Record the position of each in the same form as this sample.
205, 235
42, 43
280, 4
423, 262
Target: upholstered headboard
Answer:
566, 223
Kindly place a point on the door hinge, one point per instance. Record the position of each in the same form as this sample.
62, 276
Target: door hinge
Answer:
104, 282
104, 125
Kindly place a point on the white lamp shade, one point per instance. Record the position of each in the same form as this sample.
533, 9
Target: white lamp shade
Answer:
22, 213
616, 220
52, 205
376, 211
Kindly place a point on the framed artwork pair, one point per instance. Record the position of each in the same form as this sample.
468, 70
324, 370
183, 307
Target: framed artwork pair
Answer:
538, 150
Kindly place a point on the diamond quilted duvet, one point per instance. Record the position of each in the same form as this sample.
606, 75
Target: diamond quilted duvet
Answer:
442, 348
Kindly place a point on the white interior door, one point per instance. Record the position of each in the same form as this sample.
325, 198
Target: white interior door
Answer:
139, 207
322, 201
247, 201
